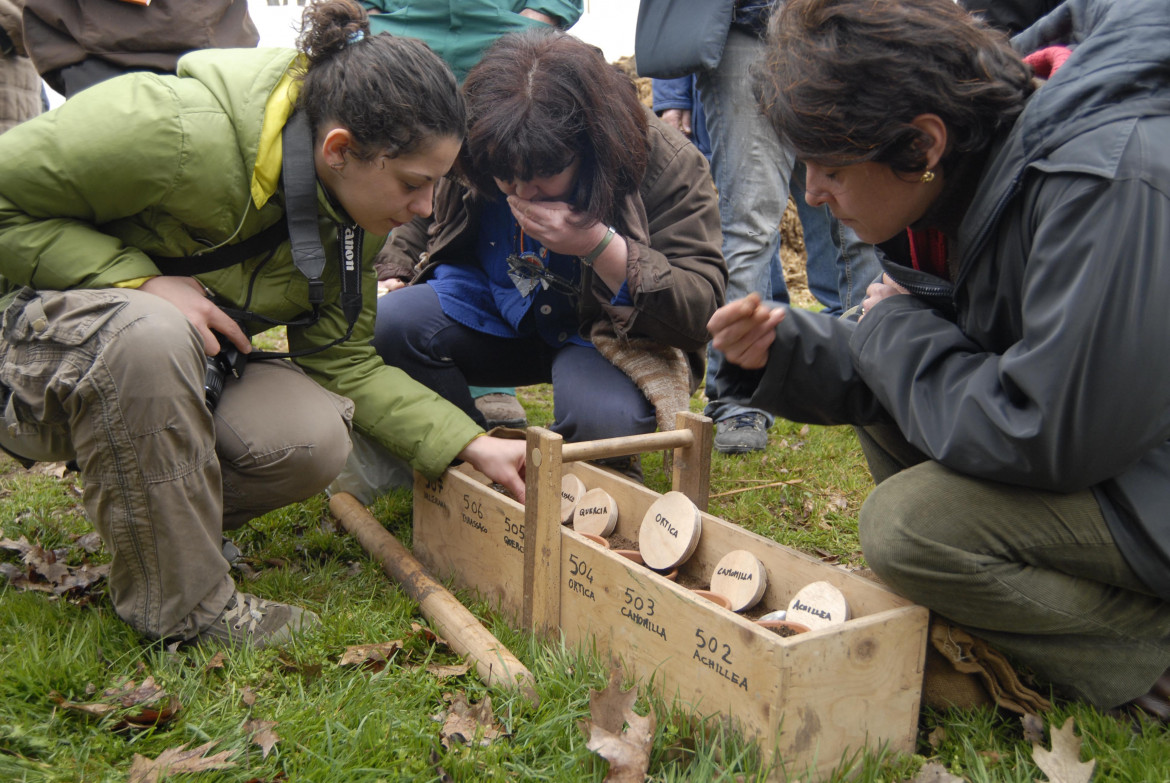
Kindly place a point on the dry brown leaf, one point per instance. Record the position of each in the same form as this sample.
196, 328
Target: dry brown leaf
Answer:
176, 760
469, 723
91, 542
247, 696
933, 772
937, 737
626, 749
1033, 728
216, 661
1063, 763
262, 734
421, 630
146, 704
370, 656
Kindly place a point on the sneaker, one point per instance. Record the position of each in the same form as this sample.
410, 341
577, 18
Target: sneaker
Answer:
248, 619
502, 410
741, 433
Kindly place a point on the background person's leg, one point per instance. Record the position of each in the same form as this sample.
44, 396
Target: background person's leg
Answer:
751, 172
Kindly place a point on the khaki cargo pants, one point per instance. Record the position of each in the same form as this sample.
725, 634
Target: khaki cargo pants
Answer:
114, 379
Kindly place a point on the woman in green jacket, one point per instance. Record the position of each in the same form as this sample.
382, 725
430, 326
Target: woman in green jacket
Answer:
143, 229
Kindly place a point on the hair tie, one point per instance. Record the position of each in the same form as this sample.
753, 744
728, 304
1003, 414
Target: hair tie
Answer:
355, 37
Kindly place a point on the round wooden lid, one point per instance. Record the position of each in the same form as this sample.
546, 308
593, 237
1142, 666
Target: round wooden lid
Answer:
740, 576
818, 605
597, 513
572, 488
670, 531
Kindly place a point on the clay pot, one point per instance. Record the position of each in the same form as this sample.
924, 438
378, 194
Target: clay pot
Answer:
714, 598
783, 627
636, 556
601, 542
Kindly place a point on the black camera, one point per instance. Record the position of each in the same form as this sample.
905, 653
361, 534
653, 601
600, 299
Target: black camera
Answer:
229, 361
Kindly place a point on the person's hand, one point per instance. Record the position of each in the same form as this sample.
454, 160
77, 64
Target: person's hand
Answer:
879, 290
679, 119
743, 331
500, 459
188, 295
550, 223
390, 284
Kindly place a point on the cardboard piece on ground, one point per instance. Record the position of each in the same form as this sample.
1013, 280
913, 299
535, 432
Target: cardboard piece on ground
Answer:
670, 531
818, 605
597, 513
741, 577
572, 488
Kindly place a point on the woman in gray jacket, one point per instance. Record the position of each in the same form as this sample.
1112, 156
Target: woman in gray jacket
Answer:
1008, 378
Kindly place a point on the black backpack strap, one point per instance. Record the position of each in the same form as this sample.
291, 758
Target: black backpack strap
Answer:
223, 257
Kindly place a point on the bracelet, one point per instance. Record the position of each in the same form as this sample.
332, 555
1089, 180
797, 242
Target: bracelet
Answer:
601, 246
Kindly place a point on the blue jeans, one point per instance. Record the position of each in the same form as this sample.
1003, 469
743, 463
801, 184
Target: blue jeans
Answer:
592, 399
751, 171
840, 265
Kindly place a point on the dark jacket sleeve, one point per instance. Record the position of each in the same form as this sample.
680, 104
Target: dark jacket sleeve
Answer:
400, 256
1083, 392
672, 94
810, 375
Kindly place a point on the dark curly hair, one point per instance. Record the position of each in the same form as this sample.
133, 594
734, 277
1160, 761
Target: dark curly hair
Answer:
538, 99
390, 92
842, 79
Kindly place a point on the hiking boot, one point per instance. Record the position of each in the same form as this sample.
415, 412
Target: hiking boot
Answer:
741, 433
248, 619
502, 410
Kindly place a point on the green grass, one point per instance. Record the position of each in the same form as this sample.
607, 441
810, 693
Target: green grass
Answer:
340, 723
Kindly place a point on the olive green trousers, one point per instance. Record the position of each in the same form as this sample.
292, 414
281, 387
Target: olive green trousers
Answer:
1034, 573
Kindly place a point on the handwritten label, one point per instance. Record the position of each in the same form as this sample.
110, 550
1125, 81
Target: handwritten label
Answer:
512, 529
431, 492
716, 656
640, 611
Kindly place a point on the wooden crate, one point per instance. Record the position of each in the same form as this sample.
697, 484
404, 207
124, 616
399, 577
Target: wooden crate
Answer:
806, 700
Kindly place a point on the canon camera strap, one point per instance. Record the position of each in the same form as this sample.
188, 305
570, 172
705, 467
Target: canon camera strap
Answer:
300, 227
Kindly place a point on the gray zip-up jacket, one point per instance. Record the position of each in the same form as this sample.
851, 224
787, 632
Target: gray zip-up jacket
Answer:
1047, 363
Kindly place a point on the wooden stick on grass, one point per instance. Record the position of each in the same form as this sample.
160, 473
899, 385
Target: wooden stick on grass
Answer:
758, 486
466, 635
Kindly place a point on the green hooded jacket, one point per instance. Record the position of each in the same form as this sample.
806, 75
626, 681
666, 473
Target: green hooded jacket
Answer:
146, 165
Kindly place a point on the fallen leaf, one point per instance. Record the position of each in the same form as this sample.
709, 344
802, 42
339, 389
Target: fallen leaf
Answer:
1033, 728
626, 749
427, 633
247, 696
177, 760
262, 734
469, 723
216, 661
442, 670
804, 431
370, 656
937, 737
142, 705
442, 774
933, 772
91, 542
1063, 763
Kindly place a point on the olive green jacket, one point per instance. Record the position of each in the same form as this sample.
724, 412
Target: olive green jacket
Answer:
146, 165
